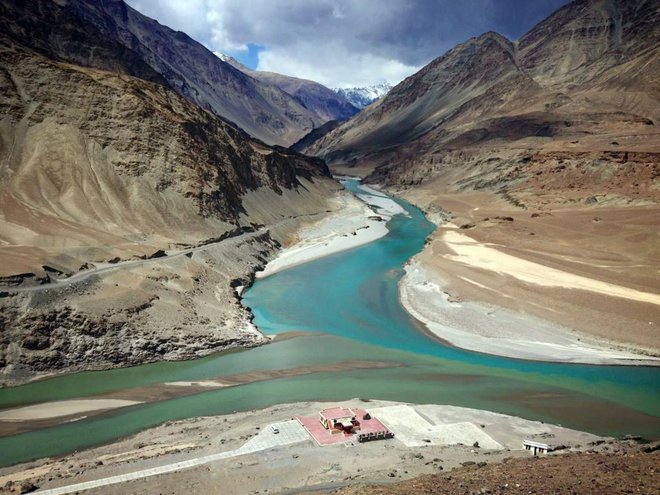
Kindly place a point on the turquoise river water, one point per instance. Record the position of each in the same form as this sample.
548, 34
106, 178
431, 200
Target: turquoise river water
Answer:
349, 308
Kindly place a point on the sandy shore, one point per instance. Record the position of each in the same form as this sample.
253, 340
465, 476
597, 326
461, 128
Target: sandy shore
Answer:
495, 330
470, 252
428, 438
354, 222
472, 325
571, 285
37, 416
56, 409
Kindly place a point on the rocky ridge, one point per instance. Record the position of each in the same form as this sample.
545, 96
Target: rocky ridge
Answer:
110, 35
580, 82
365, 96
325, 103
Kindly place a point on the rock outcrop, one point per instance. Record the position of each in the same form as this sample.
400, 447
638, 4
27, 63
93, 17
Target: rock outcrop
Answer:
325, 103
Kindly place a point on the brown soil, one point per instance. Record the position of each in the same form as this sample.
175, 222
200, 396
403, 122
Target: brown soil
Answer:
582, 473
607, 241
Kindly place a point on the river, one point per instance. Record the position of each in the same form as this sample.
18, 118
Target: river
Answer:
347, 304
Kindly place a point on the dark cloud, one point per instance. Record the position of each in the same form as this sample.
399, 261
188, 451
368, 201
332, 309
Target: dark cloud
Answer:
345, 42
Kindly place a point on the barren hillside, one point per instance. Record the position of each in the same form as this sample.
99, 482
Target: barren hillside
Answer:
583, 80
101, 170
326, 104
110, 35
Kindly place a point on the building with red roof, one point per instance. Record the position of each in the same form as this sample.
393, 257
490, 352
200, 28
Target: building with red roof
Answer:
339, 419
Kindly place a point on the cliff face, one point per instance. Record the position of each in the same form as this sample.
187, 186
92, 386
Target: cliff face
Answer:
109, 35
100, 171
582, 80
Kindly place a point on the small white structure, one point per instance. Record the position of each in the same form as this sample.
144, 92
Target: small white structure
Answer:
536, 446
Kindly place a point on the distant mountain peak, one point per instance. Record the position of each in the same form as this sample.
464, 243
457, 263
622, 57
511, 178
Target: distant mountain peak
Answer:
324, 103
224, 58
364, 96
228, 59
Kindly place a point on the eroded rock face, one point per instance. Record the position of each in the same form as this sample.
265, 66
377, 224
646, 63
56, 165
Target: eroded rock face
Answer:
177, 309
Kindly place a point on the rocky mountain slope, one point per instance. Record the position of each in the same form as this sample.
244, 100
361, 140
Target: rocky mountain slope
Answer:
314, 135
103, 170
110, 35
326, 104
588, 474
583, 80
365, 96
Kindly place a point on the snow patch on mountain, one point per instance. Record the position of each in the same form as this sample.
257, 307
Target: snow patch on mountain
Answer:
361, 97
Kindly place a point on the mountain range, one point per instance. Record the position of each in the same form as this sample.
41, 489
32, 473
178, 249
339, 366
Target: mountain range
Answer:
110, 35
361, 97
584, 80
324, 103
113, 153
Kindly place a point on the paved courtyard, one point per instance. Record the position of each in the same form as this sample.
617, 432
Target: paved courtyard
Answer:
415, 430
290, 432
324, 437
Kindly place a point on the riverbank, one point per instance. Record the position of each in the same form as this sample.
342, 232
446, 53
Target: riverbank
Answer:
549, 285
428, 438
499, 331
351, 223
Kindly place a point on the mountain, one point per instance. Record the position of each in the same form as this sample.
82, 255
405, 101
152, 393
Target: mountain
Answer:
110, 35
363, 97
314, 135
582, 80
542, 152
159, 207
323, 102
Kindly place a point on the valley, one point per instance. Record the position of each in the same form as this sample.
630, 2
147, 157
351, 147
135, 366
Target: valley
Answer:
196, 251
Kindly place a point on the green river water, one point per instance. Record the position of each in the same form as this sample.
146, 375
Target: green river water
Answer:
348, 303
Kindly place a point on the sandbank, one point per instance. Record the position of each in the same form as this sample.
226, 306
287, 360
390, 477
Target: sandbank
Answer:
478, 255
62, 408
202, 383
499, 331
354, 222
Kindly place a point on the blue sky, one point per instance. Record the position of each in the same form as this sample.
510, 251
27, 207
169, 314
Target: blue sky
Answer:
249, 57
343, 43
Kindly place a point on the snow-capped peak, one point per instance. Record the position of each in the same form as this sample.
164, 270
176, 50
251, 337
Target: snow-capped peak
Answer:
361, 97
224, 58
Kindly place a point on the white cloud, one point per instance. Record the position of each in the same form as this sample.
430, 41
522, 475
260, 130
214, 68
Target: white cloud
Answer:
340, 68
343, 42
189, 16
